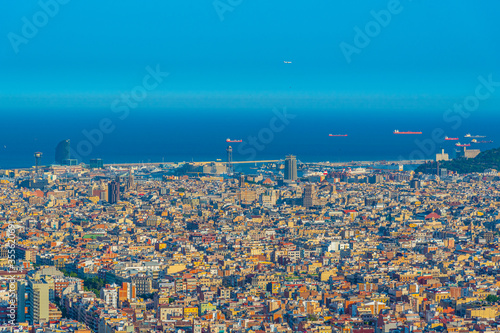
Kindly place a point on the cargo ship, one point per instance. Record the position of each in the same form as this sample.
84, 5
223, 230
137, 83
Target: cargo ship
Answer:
474, 136
337, 134
408, 132
450, 139
458, 144
229, 140
482, 141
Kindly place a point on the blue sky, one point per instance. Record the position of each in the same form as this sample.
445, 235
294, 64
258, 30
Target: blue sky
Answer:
427, 57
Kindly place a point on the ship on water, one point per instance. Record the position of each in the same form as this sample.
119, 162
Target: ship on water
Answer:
474, 136
482, 141
458, 144
337, 134
450, 139
408, 132
233, 141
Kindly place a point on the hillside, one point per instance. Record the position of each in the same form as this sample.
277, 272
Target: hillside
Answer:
489, 159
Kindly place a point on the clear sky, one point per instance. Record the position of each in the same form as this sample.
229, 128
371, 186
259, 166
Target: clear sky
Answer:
231, 53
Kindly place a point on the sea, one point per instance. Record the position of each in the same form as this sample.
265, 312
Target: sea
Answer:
177, 135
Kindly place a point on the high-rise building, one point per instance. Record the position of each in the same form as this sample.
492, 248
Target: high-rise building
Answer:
309, 195
375, 179
104, 194
38, 156
63, 152
33, 301
90, 190
143, 283
109, 294
229, 168
22, 296
130, 180
96, 163
290, 168
114, 191
126, 293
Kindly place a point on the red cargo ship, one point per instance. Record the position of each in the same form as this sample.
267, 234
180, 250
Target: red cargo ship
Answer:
229, 140
337, 134
398, 132
458, 144
449, 139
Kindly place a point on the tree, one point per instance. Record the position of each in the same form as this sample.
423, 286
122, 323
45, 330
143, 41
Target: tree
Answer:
492, 298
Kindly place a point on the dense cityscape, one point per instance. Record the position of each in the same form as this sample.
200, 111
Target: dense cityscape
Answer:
287, 247
249, 166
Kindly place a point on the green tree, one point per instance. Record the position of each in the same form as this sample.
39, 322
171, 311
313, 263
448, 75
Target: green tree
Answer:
492, 298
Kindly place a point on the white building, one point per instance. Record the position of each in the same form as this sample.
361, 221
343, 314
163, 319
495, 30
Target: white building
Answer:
442, 156
336, 246
110, 295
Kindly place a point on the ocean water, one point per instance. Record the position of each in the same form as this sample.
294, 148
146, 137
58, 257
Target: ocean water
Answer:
199, 135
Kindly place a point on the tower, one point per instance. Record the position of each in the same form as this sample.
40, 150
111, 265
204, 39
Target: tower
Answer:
229, 168
309, 196
130, 181
114, 191
291, 168
38, 156
62, 152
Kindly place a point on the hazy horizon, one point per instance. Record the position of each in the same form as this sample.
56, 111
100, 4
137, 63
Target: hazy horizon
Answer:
180, 77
